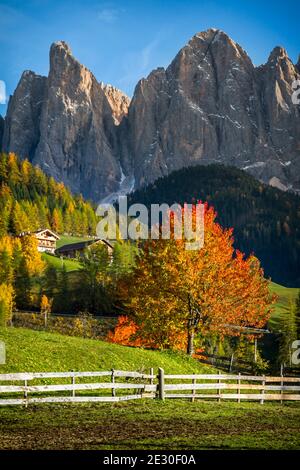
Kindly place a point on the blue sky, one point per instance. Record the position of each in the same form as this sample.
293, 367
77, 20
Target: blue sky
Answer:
122, 41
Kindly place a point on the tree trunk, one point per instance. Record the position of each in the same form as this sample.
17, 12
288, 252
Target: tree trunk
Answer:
190, 343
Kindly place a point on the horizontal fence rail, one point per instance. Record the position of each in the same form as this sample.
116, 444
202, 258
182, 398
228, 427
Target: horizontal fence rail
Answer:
115, 385
131, 385
221, 386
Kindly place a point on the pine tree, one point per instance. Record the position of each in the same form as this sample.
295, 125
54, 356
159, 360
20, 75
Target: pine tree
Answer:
6, 304
5, 267
30, 200
20, 221
22, 286
123, 259
34, 262
49, 283
62, 299
57, 221
95, 280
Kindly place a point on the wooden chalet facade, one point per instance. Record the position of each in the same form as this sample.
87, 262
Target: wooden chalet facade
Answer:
75, 250
46, 240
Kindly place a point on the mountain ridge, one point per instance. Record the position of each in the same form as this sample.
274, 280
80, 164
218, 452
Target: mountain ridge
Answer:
210, 105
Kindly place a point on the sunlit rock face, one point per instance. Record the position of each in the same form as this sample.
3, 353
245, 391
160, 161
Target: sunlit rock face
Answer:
65, 123
210, 105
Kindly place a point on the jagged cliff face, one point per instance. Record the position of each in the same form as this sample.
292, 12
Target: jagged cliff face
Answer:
210, 105
119, 102
65, 123
22, 123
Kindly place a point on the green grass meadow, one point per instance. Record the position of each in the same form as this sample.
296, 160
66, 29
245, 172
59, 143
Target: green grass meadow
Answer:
151, 424
173, 424
285, 296
143, 424
58, 263
40, 351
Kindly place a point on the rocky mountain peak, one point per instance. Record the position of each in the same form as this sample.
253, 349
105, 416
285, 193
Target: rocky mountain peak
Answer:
213, 37
119, 102
65, 124
60, 55
21, 129
210, 105
60, 49
277, 54
63, 65
281, 65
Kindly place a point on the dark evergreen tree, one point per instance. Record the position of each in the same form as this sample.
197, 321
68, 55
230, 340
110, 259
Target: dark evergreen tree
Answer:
62, 300
266, 221
22, 286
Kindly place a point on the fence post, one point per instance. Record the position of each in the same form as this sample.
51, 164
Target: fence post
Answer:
151, 373
194, 390
113, 390
239, 388
231, 362
161, 383
263, 389
151, 379
25, 393
255, 350
73, 384
281, 383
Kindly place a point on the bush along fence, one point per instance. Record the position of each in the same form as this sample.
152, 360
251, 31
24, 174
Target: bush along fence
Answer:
115, 385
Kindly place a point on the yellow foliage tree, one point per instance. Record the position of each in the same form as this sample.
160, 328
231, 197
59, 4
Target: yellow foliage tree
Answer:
46, 306
34, 263
6, 304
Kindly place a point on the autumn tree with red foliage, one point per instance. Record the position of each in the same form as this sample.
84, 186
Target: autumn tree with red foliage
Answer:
175, 294
124, 333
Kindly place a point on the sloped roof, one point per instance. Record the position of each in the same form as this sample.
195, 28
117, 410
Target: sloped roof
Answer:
48, 231
37, 232
80, 246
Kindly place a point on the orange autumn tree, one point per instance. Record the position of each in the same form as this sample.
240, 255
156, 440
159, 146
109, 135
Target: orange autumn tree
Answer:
177, 294
124, 333
128, 333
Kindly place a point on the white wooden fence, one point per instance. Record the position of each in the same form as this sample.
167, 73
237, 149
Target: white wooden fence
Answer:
229, 387
26, 388
142, 387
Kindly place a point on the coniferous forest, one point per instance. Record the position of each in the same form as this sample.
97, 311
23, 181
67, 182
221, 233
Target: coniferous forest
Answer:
266, 220
30, 200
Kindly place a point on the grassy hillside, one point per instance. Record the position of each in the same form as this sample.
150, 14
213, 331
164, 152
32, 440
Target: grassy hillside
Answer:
34, 351
70, 265
285, 295
144, 424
